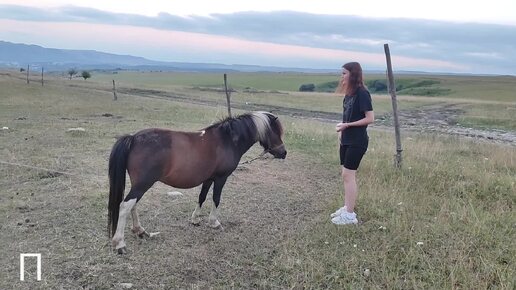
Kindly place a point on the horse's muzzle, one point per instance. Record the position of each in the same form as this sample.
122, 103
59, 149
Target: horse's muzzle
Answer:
281, 155
278, 151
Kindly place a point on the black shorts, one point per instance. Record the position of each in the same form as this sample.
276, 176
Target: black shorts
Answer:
351, 155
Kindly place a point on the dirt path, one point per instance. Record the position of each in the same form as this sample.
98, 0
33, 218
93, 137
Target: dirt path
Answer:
437, 118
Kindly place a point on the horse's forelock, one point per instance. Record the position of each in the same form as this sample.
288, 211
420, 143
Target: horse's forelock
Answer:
262, 122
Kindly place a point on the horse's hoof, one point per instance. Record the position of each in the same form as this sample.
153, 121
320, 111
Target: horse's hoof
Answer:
216, 225
143, 235
122, 251
152, 235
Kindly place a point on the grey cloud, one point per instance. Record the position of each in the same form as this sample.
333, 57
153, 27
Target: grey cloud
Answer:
471, 44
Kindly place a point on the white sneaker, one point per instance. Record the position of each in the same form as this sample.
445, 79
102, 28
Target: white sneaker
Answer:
338, 212
345, 218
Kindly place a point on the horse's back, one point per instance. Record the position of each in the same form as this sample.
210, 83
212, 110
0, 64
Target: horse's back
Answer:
180, 159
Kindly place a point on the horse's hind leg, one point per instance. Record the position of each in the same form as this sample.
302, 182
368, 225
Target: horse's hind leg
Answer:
126, 206
196, 220
118, 238
217, 191
137, 228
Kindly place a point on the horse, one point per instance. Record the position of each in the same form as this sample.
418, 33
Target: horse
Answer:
183, 160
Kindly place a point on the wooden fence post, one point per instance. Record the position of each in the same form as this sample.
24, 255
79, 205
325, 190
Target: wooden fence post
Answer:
114, 91
27, 74
392, 91
41, 76
228, 95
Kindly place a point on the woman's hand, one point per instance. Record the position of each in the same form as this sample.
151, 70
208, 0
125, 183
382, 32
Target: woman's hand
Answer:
341, 127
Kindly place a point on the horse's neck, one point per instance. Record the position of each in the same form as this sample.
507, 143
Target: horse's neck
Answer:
242, 144
245, 147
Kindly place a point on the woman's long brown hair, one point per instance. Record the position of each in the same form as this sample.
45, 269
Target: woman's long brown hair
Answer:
355, 80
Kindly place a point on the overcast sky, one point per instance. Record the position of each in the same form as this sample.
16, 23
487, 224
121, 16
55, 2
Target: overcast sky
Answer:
437, 36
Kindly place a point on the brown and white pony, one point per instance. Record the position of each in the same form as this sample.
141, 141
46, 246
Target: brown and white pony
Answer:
183, 160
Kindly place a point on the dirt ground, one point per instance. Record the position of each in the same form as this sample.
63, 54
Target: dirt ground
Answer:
261, 206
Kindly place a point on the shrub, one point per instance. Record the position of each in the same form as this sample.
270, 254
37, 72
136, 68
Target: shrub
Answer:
307, 88
377, 85
327, 87
85, 75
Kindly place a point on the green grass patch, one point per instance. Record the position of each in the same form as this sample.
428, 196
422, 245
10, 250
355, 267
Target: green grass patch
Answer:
409, 86
495, 88
489, 116
237, 80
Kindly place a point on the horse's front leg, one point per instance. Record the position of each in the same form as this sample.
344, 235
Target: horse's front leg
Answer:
137, 228
196, 220
217, 191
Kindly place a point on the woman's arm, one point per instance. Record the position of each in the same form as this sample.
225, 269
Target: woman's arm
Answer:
368, 119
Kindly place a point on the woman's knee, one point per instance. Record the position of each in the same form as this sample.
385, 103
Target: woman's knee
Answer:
348, 174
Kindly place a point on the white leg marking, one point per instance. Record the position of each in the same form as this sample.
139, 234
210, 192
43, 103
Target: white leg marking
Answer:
125, 208
195, 215
214, 214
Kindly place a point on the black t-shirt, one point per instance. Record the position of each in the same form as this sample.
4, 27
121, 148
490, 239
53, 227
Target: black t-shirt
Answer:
355, 107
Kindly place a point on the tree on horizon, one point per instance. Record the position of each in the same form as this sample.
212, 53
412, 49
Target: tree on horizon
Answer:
85, 74
72, 72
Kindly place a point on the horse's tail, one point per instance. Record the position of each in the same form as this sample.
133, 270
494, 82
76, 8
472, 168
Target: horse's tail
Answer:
117, 168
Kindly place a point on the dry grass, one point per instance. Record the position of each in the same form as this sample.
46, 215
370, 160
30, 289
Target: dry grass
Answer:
456, 197
63, 217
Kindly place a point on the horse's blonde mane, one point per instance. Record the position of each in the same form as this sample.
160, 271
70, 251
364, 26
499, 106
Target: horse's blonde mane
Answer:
262, 122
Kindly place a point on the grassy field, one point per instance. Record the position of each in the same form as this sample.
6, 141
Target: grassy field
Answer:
444, 221
488, 88
487, 102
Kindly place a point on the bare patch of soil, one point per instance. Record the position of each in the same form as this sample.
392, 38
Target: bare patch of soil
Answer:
262, 205
442, 118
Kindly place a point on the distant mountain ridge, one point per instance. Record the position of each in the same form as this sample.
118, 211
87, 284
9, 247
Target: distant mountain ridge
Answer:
17, 55
24, 53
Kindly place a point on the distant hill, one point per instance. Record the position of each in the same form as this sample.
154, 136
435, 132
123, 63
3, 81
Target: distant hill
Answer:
16, 55
19, 54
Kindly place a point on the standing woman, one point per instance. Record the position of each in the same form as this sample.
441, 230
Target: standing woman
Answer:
357, 114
